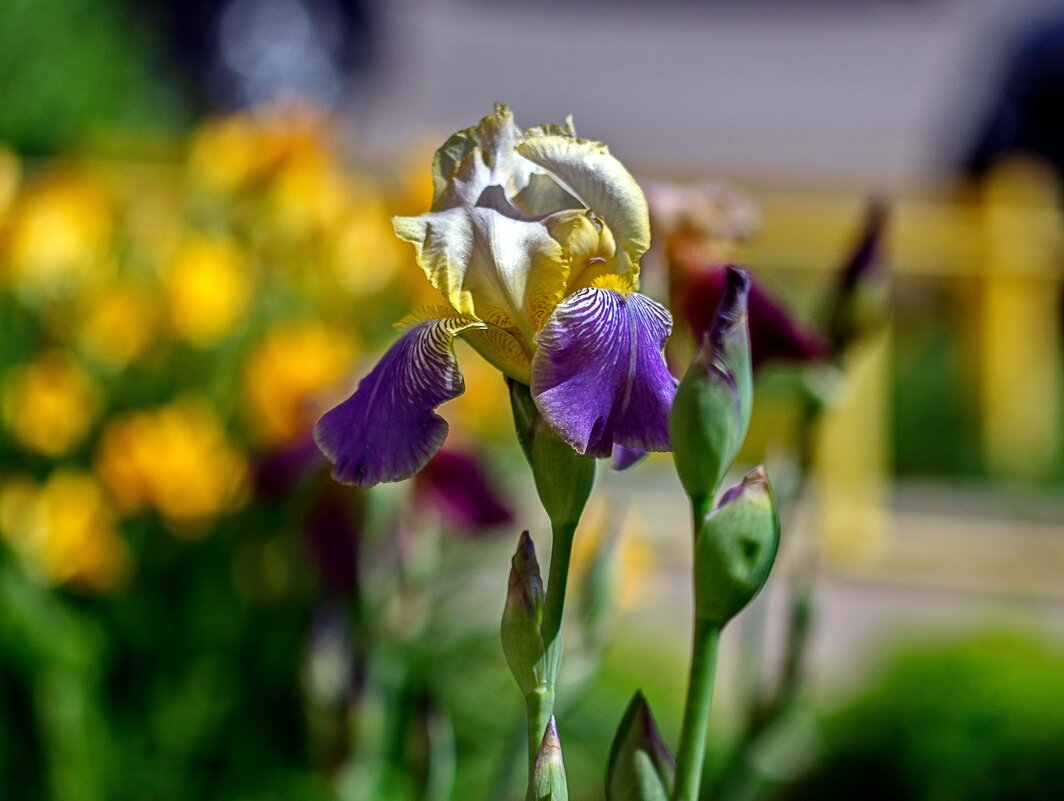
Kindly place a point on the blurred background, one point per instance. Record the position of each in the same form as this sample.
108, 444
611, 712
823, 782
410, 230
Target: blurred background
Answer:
196, 260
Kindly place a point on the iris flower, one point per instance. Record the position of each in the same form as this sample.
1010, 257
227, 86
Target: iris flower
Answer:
533, 241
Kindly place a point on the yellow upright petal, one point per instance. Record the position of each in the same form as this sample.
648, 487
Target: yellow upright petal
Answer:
589, 172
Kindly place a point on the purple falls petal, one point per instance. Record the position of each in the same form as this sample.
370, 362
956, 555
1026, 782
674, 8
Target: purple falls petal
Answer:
599, 376
387, 430
623, 457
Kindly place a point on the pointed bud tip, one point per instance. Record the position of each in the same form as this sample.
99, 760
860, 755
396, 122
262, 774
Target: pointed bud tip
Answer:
550, 747
757, 475
734, 299
753, 486
525, 547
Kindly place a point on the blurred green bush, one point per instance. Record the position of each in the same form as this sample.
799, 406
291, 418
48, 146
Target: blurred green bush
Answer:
981, 720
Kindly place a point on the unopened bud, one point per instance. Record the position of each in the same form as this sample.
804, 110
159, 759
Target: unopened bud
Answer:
641, 767
713, 402
547, 782
735, 548
522, 617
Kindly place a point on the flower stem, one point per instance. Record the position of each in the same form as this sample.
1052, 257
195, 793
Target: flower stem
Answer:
540, 701
692, 749
560, 552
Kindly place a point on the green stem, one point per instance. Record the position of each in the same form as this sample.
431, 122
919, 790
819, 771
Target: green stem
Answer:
540, 704
540, 701
700, 507
693, 735
561, 551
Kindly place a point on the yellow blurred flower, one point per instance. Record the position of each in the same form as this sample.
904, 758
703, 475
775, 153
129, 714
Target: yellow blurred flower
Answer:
10, 176
308, 195
64, 530
634, 558
288, 374
224, 153
119, 326
176, 460
242, 151
206, 287
483, 410
49, 404
60, 234
366, 254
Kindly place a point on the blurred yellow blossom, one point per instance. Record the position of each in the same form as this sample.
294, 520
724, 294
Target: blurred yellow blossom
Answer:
206, 286
49, 404
308, 194
65, 530
10, 175
60, 235
240, 151
120, 325
366, 254
223, 153
287, 375
601, 528
483, 410
175, 459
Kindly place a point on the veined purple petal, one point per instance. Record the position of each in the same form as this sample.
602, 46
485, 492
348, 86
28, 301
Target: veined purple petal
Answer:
387, 430
623, 457
599, 376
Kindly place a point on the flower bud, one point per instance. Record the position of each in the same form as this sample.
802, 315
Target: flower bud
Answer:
735, 548
547, 782
641, 767
713, 402
563, 478
522, 617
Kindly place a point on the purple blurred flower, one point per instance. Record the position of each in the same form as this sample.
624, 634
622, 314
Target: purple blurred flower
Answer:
333, 528
277, 473
774, 335
455, 485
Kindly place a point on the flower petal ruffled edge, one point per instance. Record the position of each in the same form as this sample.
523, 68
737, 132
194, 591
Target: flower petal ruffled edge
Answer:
599, 180
388, 429
599, 377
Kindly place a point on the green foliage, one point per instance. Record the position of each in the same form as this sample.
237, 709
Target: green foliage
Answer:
977, 721
74, 68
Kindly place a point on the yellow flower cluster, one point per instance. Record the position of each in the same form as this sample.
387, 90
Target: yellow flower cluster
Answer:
175, 460
64, 529
49, 404
290, 368
160, 326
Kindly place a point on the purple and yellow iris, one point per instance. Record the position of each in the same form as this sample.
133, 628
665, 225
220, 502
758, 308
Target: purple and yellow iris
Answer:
534, 240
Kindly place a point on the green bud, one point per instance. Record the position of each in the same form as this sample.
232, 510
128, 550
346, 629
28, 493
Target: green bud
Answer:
563, 478
641, 767
522, 617
734, 549
547, 782
713, 402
